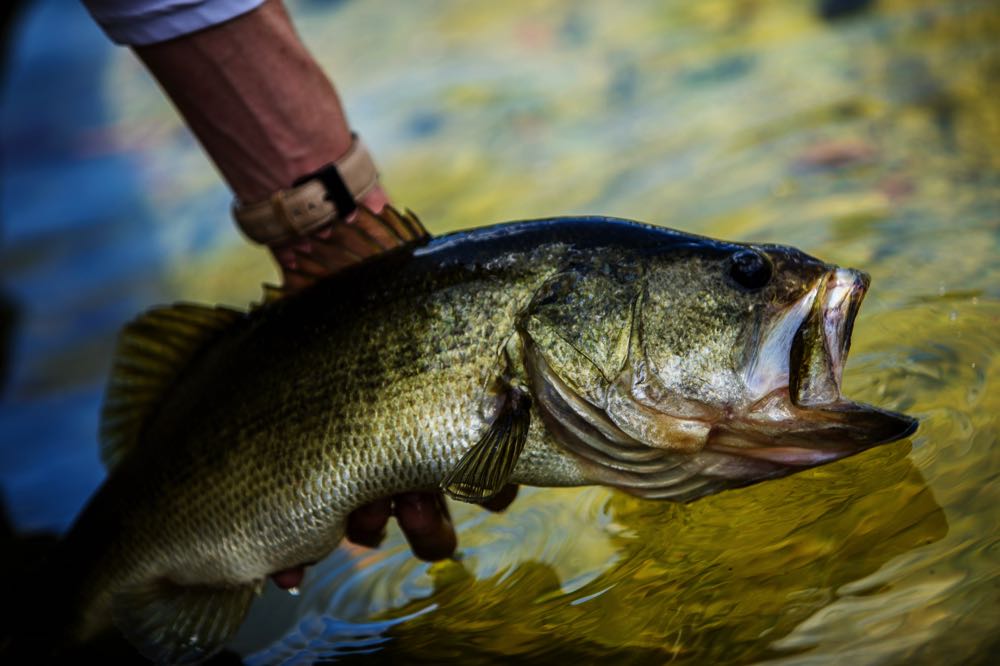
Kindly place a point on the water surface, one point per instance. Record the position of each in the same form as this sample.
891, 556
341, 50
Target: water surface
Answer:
872, 141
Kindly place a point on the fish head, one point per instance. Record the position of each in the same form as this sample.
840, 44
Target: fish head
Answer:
706, 367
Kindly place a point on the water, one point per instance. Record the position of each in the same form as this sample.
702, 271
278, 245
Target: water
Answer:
872, 141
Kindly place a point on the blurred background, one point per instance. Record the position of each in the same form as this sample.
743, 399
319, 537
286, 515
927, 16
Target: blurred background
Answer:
866, 133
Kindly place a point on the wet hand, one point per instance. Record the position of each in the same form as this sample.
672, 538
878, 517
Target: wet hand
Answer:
287, 255
422, 516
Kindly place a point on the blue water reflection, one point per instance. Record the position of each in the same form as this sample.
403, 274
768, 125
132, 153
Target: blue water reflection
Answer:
78, 259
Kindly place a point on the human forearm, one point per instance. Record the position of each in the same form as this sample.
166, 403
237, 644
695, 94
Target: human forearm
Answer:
267, 115
257, 101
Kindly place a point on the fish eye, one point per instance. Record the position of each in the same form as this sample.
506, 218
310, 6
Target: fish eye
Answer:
751, 269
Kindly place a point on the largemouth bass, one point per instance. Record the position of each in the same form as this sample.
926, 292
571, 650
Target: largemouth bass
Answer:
557, 352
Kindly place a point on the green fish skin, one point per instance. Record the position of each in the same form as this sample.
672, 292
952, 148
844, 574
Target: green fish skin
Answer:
558, 352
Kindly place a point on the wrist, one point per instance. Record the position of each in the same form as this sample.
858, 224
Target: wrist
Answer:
297, 223
297, 154
317, 199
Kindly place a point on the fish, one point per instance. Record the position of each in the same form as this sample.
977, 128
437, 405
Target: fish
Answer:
554, 352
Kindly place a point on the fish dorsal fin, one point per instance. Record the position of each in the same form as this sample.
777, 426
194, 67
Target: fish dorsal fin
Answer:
348, 243
177, 624
152, 351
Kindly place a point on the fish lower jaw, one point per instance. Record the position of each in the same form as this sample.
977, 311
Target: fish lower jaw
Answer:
783, 455
766, 432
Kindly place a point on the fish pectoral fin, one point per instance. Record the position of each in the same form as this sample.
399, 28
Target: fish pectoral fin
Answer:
485, 468
178, 624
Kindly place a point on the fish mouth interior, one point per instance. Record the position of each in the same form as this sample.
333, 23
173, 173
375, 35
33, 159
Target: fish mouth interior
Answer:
801, 419
819, 349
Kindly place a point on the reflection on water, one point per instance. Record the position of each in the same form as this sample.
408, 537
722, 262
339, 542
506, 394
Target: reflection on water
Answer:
725, 579
872, 141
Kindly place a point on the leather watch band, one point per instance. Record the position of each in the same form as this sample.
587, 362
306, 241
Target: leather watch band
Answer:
299, 210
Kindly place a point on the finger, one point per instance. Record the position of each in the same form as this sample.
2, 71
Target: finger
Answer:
289, 579
424, 519
501, 500
366, 525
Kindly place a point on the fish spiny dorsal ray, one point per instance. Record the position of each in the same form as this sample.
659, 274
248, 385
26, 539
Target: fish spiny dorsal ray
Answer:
406, 225
152, 352
349, 244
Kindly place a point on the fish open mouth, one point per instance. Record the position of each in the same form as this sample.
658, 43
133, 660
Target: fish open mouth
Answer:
808, 422
821, 343
794, 416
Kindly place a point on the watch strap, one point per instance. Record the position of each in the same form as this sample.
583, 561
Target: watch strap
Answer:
327, 194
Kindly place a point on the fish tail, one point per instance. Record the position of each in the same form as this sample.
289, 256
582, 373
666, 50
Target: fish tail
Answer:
176, 624
62, 616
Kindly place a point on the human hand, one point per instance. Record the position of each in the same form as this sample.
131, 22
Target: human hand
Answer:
287, 255
422, 516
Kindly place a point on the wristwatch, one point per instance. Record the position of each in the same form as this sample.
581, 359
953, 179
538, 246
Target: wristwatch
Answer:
329, 193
